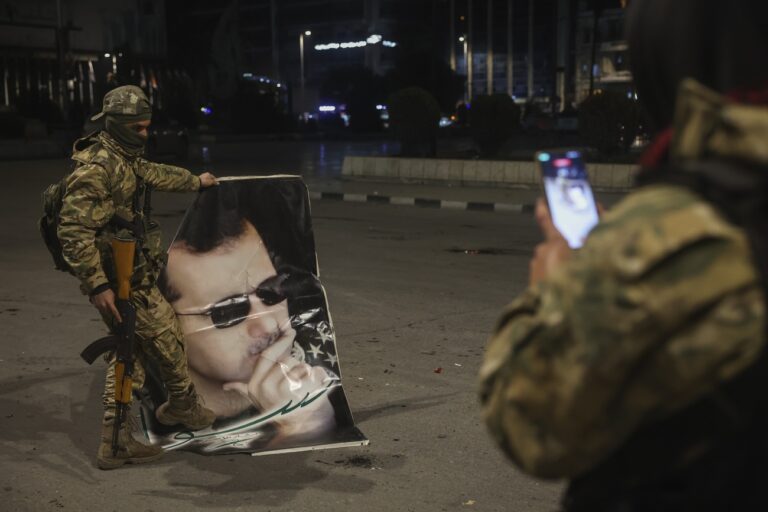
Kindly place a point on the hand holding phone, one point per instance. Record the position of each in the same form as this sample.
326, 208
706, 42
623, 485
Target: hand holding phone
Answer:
552, 252
569, 195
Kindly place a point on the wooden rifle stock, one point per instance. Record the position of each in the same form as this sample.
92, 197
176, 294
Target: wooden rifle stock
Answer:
123, 251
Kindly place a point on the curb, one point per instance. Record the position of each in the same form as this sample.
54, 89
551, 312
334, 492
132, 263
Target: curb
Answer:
424, 202
484, 173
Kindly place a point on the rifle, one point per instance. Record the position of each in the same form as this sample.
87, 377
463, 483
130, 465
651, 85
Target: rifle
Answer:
121, 342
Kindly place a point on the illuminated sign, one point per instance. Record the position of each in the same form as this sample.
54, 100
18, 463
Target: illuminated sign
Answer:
373, 39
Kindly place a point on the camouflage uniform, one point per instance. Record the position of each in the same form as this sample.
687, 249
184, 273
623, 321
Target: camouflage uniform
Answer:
101, 186
662, 305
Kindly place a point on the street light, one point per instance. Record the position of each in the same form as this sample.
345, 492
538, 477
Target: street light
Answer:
463, 40
306, 33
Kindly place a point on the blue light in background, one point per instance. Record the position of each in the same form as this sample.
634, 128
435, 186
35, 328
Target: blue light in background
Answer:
543, 157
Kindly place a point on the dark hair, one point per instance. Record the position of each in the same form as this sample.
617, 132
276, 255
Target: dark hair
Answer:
276, 207
279, 211
723, 45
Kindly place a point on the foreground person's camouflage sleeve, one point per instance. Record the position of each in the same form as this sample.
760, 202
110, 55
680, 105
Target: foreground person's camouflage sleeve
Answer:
660, 305
168, 178
86, 208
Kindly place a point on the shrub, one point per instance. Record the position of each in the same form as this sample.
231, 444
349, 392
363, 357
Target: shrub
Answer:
414, 117
609, 121
257, 111
462, 114
493, 120
360, 90
363, 116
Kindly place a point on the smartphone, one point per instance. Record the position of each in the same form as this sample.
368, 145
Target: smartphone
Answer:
569, 195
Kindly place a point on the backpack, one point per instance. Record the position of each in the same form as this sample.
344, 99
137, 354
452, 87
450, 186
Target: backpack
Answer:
53, 199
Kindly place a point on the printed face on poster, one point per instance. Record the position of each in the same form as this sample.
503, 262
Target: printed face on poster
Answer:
243, 279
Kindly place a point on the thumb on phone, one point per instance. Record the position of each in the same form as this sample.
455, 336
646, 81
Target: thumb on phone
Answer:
544, 219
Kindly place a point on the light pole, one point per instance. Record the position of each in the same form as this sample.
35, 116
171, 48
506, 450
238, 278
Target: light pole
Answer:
470, 63
489, 51
530, 49
452, 12
510, 60
301, 52
463, 40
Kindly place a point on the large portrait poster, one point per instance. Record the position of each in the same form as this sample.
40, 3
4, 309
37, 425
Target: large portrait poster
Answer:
242, 276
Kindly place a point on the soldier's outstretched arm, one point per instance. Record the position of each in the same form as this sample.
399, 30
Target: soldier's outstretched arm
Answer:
169, 178
87, 207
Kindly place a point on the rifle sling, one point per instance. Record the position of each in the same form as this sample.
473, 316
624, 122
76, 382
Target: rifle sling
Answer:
136, 226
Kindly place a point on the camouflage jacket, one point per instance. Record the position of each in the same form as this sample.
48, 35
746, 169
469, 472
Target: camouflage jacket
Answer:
660, 306
102, 185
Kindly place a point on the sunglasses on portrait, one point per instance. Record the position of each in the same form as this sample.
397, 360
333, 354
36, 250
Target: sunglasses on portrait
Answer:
233, 310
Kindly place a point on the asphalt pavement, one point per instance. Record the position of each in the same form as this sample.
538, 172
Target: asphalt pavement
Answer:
411, 290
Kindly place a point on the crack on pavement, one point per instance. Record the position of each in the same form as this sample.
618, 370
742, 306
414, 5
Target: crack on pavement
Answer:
38, 301
491, 251
415, 322
333, 217
401, 406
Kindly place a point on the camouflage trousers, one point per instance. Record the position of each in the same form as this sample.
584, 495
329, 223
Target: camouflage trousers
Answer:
158, 339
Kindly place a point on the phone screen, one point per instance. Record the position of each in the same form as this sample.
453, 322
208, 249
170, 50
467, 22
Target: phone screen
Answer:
569, 195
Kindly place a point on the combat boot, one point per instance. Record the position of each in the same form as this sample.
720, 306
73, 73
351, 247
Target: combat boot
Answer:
130, 450
186, 409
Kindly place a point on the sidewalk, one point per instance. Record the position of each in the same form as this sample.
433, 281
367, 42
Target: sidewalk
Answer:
490, 199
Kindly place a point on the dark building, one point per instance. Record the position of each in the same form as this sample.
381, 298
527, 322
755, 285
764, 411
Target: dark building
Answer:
277, 40
281, 57
58, 57
512, 46
610, 69
273, 41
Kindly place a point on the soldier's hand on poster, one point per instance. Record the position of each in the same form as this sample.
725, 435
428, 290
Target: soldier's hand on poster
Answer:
105, 303
279, 380
208, 180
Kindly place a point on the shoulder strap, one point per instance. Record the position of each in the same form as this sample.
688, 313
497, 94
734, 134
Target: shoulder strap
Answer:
147, 209
135, 203
136, 224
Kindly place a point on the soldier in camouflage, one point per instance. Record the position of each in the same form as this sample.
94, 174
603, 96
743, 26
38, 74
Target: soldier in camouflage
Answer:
636, 366
109, 166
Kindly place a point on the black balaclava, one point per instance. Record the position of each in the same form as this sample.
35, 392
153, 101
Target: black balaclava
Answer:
129, 139
723, 45
124, 106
